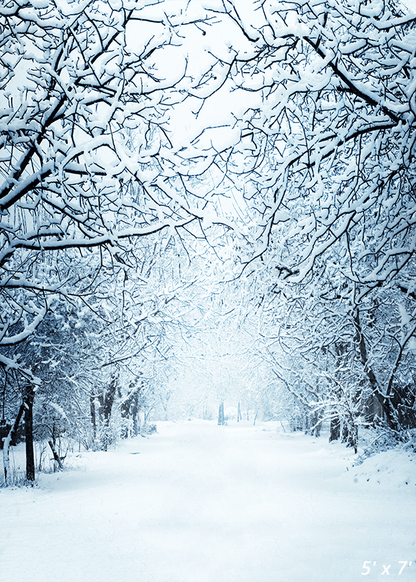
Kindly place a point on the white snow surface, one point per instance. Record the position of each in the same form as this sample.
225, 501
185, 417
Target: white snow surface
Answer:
202, 503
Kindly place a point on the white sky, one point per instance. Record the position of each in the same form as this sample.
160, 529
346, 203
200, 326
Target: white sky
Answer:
410, 4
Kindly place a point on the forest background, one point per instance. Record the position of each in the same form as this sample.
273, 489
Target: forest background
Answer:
206, 204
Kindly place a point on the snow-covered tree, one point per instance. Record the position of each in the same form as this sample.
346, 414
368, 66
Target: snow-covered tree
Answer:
332, 136
78, 80
325, 162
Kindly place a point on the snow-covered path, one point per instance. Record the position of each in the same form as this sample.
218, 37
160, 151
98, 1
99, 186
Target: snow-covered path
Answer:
202, 503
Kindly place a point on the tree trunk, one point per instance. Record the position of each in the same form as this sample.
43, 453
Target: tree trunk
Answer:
8, 441
30, 453
315, 422
221, 420
134, 414
334, 429
350, 432
125, 413
16, 423
306, 423
56, 457
239, 417
384, 402
6, 459
107, 406
93, 418
344, 432
353, 437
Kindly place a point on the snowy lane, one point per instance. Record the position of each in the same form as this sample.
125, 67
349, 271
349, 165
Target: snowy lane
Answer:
204, 503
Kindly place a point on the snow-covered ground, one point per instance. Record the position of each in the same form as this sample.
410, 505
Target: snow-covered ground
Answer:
202, 503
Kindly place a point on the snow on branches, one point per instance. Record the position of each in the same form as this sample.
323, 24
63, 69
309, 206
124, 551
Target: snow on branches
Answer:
83, 145
333, 134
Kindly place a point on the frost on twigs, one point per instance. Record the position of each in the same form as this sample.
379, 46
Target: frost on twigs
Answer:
85, 159
333, 134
